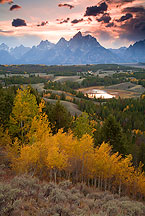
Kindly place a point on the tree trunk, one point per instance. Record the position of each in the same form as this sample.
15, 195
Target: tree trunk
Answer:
55, 176
119, 191
99, 182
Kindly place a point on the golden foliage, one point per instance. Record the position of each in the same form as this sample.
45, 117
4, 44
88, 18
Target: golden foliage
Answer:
66, 156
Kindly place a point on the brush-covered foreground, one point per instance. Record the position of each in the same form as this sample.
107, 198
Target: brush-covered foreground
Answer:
25, 195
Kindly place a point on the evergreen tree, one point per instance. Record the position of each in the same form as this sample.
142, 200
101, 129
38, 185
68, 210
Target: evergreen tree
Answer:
59, 117
112, 133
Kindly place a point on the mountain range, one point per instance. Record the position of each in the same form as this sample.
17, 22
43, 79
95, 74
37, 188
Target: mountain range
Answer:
78, 50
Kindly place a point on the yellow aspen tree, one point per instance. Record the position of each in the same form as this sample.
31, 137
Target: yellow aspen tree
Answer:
113, 168
139, 181
24, 110
5, 139
40, 126
56, 159
125, 172
13, 151
67, 143
102, 155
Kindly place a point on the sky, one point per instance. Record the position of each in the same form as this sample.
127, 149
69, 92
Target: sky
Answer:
114, 23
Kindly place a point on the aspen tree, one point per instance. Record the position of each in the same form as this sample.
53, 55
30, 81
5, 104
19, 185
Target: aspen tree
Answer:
24, 110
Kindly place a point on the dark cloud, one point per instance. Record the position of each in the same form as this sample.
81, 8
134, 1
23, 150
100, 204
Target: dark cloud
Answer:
43, 23
105, 18
125, 17
63, 20
140, 9
109, 25
119, 2
15, 7
133, 29
95, 10
75, 21
89, 19
66, 5
18, 22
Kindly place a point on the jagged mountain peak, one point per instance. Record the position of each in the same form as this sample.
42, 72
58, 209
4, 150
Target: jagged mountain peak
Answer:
80, 49
62, 41
45, 44
78, 35
83, 42
3, 46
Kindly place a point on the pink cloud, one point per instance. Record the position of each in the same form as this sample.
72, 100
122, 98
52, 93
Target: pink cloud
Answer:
5, 1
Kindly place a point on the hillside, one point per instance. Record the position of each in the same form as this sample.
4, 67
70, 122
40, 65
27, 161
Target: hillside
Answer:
74, 165
25, 195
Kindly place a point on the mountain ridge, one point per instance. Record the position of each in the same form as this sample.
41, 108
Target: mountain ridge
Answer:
78, 50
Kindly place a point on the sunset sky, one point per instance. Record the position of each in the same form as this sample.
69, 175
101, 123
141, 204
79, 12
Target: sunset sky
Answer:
114, 23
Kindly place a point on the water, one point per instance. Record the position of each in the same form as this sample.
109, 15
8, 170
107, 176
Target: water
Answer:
95, 93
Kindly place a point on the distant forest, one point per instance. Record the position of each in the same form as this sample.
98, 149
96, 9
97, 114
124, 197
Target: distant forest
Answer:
61, 70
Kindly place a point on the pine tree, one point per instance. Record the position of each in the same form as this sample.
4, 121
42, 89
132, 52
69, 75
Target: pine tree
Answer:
59, 117
112, 133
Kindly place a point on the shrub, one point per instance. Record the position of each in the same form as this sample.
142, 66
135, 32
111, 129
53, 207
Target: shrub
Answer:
131, 208
8, 198
95, 195
65, 185
111, 207
26, 182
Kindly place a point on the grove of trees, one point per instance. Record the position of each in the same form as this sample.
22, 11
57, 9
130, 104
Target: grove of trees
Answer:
57, 146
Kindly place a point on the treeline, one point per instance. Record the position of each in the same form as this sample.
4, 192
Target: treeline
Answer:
129, 112
98, 81
23, 80
51, 144
61, 70
70, 86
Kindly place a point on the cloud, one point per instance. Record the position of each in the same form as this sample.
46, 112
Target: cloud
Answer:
75, 21
43, 23
63, 20
125, 17
105, 18
6, 32
140, 9
119, 2
5, 1
66, 5
101, 35
133, 29
18, 22
109, 25
95, 10
15, 7
89, 19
